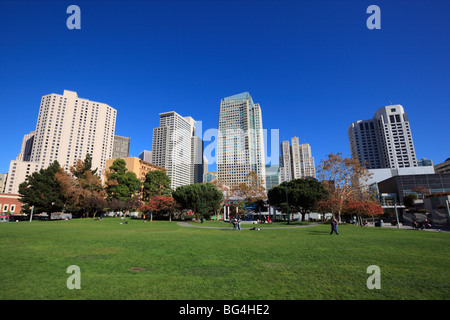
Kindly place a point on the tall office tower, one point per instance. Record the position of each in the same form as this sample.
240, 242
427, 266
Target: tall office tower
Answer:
296, 161
365, 143
240, 141
197, 160
272, 176
146, 156
68, 128
385, 141
121, 147
172, 147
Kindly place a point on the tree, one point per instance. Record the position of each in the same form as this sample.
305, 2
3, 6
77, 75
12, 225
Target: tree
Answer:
252, 191
199, 197
303, 195
83, 189
157, 183
344, 179
42, 191
121, 184
362, 208
160, 205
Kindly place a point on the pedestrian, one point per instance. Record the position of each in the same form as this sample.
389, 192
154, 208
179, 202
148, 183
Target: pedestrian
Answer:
239, 224
334, 226
234, 224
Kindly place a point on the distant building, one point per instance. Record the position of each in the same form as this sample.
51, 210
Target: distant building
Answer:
385, 141
27, 145
3, 177
443, 167
121, 147
209, 176
176, 148
136, 165
296, 161
146, 156
424, 162
240, 141
272, 176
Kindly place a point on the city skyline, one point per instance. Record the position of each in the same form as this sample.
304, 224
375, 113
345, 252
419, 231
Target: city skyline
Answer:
314, 66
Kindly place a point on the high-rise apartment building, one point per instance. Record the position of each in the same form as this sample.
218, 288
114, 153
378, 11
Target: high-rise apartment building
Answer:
176, 148
385, 141
296, 161
240, 141
67, 128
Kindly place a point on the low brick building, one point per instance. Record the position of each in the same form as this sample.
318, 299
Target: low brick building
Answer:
9, 203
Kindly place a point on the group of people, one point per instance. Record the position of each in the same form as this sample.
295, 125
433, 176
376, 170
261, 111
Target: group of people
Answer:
421, 225
236, 224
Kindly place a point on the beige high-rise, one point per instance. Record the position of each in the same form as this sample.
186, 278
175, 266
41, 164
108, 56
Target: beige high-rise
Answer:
68, 127
296, 161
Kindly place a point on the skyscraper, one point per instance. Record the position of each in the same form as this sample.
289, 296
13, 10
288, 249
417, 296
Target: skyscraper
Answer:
176, 148
385, 141
296, 161
240, 144
67, 128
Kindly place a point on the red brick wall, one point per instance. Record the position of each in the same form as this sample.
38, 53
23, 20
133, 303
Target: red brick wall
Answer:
9, 202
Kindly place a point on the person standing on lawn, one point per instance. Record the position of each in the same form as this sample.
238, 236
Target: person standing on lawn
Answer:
334, 226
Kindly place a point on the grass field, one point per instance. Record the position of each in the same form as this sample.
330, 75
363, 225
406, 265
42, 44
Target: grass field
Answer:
200, 263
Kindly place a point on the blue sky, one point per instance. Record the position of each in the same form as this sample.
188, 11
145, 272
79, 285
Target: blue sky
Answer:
312, 65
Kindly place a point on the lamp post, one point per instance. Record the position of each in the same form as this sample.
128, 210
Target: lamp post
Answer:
287, 203
396, 213
31, 215
203, 191
448, 211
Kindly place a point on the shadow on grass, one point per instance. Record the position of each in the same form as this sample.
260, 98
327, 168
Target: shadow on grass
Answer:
318, 232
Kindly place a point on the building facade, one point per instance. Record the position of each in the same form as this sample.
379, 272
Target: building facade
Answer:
385, 141
121, 147
296, 160
173, 146
240, 141
146, 156
10, 204
272, 176
67, 128
443, 167
139, 167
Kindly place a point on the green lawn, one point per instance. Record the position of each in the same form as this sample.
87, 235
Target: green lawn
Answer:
201, 263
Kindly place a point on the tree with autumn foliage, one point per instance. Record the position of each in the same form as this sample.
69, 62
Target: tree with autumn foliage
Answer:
159, 205
363, 208
253, 190
82, 188
344, 179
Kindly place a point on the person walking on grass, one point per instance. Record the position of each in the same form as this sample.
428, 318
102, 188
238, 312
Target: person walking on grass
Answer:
334, 226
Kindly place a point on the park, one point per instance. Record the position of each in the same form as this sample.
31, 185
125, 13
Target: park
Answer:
164, 260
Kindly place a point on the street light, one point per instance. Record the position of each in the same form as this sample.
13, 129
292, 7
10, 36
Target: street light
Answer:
287, 204
396, 213
203, 191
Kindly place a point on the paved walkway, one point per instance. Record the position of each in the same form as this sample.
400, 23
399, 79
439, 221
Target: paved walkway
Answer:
385, 225
229, 226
